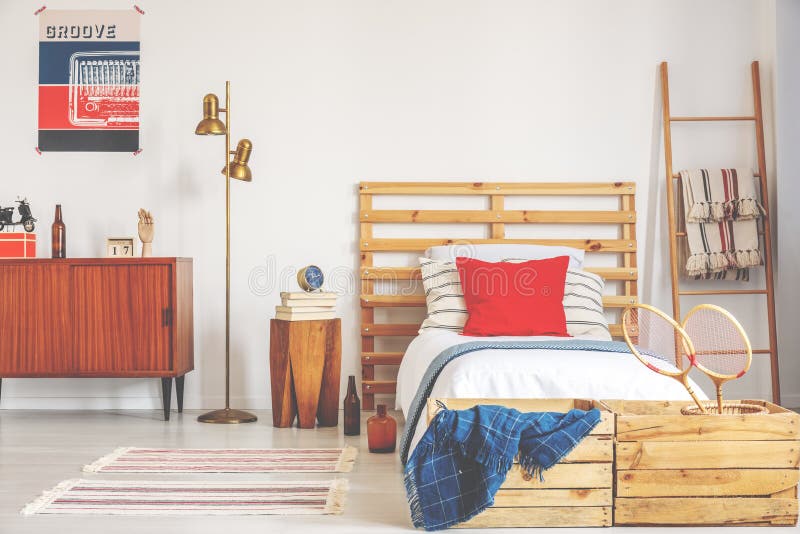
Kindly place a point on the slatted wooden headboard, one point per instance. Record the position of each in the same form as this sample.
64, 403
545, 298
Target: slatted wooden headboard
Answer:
496, 217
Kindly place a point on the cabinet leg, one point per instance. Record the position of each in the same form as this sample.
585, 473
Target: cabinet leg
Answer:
166, 392
179, 391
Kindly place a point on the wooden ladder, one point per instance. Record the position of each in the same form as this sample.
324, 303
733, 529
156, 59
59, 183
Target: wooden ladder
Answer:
674, 233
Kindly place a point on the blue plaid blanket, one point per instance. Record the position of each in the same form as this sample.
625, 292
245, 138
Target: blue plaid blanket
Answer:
425, 387
465, 455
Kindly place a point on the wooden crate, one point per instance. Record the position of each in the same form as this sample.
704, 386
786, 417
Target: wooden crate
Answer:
674, 469
576, 492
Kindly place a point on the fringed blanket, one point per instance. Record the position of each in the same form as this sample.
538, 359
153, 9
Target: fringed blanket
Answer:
713, 195
463, 458
721, 212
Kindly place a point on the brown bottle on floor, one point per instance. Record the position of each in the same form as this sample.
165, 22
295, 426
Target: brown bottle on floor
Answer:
381, 431
59, 234
352, 409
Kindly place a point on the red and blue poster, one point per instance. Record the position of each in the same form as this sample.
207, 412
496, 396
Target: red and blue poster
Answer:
89, 81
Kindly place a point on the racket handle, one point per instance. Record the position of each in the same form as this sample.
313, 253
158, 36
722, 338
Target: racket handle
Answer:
685, 382
719, 398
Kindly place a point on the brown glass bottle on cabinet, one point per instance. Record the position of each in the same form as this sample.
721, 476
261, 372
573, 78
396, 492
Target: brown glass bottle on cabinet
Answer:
352, 409
59, 233
381, 431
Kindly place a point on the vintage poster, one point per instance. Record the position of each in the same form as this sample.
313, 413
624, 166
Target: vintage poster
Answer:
89, 75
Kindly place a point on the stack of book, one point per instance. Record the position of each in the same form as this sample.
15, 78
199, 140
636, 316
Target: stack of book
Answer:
298, 306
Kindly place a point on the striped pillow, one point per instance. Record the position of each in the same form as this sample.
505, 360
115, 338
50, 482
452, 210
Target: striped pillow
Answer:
583, 305
583, 300
443, 295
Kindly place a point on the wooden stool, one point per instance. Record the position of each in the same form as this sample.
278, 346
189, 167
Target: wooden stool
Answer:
305, 363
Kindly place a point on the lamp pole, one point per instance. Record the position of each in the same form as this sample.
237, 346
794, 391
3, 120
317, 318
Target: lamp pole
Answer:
227, 245
210, 125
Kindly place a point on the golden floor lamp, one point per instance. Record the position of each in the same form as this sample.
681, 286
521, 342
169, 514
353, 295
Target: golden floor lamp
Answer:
238, 169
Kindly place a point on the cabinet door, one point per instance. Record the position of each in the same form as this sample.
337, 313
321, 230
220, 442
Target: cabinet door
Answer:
34, 320
122, 319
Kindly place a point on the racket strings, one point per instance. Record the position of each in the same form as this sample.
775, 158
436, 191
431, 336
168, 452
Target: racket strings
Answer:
657, 340
718, 343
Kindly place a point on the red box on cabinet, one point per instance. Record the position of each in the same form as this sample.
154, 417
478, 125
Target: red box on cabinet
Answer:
17, 245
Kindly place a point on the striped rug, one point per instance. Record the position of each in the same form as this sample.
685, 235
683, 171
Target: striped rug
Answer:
114, 497
139, 460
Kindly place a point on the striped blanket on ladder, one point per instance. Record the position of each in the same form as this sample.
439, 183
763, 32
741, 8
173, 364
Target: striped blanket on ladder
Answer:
721, 211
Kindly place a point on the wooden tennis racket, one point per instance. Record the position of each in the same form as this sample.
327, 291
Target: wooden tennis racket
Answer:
722, 349
660, 343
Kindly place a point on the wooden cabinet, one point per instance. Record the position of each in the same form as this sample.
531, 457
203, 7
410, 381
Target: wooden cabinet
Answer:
121, 317
34, 320
98, 317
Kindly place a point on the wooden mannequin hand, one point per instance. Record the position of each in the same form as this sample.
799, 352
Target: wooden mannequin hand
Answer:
146, 232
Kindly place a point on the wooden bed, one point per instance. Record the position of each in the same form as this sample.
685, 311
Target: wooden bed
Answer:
495, 217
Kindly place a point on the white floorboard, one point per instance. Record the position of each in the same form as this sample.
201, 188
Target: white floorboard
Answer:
38, 449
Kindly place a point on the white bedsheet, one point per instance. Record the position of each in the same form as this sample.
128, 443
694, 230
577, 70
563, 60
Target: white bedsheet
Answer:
528, 373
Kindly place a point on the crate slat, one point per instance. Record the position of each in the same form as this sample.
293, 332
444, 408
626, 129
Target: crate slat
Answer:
391, 273
411, 329
710, 428
700, 454
704, 482
592, 449
394, 301
381, 358
373, 387
578, 516
400, 329
495, 188
708, 512
520, 498
618, 301
638, 408
420, 244
495, 216
413, 273
562, 476
367, 314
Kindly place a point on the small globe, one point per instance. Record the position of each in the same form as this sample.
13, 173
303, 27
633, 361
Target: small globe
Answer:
310, 278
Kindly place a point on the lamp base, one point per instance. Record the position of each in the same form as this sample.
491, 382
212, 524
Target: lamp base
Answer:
227, 416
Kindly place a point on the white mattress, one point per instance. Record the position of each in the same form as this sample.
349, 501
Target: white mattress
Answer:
528, 373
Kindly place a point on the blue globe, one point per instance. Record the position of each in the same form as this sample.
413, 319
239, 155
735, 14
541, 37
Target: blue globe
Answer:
314, 277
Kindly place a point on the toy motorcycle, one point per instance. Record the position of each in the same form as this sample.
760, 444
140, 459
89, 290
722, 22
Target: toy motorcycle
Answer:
26, 219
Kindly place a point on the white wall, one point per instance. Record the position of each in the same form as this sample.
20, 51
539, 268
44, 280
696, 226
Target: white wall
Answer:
335, 92
788, 169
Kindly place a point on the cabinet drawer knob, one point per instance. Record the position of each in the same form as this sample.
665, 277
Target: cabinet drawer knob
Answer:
166, 317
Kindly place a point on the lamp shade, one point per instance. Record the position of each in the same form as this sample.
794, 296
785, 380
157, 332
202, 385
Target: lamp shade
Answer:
210, 125
238, 167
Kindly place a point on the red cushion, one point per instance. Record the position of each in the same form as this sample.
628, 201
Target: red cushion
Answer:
514, 299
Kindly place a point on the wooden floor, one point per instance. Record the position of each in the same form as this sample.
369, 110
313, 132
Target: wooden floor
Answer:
41, 448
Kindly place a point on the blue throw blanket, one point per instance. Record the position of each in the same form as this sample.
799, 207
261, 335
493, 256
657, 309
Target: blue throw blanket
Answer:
465, 455
462, 349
